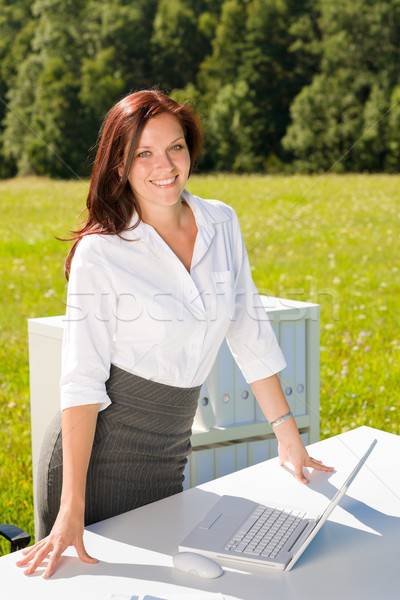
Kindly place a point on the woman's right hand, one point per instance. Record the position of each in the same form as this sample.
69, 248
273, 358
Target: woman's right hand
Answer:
67, 531
78, 429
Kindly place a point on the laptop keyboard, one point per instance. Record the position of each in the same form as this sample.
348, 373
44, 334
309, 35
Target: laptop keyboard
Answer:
265, 532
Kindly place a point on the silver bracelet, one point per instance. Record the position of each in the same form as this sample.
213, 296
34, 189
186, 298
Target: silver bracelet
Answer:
282, 419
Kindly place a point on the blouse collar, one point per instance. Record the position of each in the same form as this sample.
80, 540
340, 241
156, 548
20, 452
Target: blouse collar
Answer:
206, 213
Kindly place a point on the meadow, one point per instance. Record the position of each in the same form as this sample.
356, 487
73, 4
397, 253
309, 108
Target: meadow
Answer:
332, 240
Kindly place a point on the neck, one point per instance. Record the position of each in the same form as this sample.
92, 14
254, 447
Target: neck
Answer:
167, 217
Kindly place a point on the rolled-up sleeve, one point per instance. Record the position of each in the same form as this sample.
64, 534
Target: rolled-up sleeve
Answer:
89, 328
250, 336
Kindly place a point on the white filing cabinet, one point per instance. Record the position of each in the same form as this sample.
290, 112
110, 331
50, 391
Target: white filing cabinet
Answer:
229, 431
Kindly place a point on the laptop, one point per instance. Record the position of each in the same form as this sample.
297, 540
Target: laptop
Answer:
248, 533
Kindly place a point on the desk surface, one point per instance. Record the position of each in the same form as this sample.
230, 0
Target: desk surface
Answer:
354, 556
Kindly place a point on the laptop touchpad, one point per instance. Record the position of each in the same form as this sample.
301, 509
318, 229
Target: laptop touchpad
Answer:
217, 521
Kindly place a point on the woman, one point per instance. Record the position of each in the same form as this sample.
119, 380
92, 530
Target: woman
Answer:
159, 278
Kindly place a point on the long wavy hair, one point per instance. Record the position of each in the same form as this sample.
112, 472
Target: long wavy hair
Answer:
111, 203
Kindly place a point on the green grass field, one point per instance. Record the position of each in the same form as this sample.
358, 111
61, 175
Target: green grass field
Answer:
332, 240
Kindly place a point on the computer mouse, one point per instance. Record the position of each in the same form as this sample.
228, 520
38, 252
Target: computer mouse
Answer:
197, 564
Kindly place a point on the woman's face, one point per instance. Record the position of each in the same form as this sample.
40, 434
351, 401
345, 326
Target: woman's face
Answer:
160, 167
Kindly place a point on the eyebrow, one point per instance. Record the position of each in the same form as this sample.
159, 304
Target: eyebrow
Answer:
181, 137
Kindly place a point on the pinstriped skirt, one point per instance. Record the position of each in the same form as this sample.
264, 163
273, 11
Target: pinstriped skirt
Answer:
139, 453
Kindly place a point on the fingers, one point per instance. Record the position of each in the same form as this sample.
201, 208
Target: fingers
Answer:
83, 555
312, 463
53, 560
36, 558
37, 553
318, 465
299, 475
29, 553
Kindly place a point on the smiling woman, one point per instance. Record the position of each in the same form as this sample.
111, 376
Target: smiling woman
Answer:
159, 278
158, 175
111, 202
161, 165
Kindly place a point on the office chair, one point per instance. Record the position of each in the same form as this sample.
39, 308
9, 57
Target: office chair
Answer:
17, 537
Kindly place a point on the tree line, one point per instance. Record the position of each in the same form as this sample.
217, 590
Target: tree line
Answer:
281, 85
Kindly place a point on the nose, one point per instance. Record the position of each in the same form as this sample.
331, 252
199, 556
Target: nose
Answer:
165, 161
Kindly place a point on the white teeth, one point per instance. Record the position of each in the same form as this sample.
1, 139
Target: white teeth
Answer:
164, 181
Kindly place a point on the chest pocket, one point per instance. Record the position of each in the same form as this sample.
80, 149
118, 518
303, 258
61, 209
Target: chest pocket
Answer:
223, 285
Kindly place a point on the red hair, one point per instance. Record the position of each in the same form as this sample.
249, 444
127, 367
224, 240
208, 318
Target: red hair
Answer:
111, 203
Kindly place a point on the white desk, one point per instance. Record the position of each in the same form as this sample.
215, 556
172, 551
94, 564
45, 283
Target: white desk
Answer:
354, 556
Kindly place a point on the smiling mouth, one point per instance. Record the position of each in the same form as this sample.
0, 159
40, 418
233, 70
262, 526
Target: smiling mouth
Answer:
161, 182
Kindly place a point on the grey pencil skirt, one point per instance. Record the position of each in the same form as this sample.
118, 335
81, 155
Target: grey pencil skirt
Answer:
139, 452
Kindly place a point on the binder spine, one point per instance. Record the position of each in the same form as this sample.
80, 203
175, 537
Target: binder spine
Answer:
204, 418
244, 399
293, 377
201, 466
220, 384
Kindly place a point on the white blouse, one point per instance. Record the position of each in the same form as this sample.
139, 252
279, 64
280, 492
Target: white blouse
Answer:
132, 303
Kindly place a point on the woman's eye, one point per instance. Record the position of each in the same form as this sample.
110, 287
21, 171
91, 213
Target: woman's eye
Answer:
177, 147
143, 154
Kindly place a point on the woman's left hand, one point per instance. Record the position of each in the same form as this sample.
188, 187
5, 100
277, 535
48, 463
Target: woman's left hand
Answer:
291, 449
297, 455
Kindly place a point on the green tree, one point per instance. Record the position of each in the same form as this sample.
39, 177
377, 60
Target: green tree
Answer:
325, 119
392, 123
17, 129
178, 44
266, 47
339, 121
370, 149
17, 28
83, 56
117, 55
278, 59
230, 129
101, 83
221, 67
122, 29
44, 106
